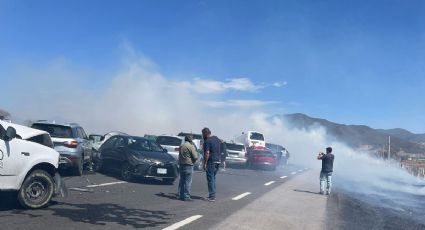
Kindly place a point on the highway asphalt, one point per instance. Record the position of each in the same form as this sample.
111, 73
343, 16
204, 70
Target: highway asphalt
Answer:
98, 201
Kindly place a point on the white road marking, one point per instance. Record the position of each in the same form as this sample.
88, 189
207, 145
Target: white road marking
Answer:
183, 223
283, 177
300, 170
241, 196
269, 183
80, 189
306, 169
105, 184
293, 173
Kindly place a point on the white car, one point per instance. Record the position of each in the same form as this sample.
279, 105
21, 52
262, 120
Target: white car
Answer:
171, 143
28, 164
96, 144
251, 138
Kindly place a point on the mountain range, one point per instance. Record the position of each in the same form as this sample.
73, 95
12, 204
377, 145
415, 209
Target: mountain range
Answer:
403, 142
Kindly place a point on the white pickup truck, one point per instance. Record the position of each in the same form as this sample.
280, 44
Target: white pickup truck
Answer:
28, 164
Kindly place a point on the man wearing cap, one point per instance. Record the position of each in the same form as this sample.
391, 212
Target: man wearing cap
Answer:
187, 157
327, 169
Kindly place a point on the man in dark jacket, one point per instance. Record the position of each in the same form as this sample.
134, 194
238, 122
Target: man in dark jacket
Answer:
327, 169
212, 160
187, 157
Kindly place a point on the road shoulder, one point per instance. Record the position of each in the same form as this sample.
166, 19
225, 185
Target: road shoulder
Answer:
293, 205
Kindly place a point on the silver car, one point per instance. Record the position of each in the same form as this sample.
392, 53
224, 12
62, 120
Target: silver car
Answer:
171, 143
236, 153
72, 143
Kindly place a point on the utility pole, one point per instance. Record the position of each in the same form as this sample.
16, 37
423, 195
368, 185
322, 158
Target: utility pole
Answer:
389, 147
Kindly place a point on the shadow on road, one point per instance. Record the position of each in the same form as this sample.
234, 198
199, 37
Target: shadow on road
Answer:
9, 201
101, 214
173, 196
306, 191
97, 214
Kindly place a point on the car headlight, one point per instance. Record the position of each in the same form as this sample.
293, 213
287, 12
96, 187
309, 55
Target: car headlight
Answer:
150, 161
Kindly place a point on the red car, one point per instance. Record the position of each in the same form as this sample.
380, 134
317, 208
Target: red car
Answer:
261, 157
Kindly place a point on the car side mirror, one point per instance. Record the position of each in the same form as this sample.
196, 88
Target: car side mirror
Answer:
10, 133
165, 150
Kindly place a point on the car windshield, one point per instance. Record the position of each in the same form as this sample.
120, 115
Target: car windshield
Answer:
271, 146
262, 152
274, 148
155, 147
55, 130
42, 139
150, 137
234, 147
167, 140
95, 138
140, 144
257, 136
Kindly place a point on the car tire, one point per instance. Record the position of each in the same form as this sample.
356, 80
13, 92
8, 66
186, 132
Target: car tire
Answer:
168, 180
78, 170
98, 166
37, 190
89, 163
126, 172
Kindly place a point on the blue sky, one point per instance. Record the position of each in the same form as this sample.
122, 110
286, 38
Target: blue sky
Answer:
353, 62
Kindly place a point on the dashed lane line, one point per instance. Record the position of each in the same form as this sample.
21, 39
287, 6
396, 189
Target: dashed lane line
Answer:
241, 196
283, 177
81, 190
293, 173
183, 223
269, 183
106, 184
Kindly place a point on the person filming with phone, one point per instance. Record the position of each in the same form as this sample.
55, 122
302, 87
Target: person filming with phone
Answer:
327, 170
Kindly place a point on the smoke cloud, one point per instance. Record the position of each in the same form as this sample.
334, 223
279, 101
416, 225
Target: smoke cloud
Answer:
139, 100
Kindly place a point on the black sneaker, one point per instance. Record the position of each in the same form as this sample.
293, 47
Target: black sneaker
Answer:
211, 199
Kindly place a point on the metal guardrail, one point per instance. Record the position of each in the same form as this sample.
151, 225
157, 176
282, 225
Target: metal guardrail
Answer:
415, 168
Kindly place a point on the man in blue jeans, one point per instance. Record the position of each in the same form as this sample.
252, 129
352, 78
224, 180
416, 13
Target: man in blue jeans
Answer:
212, 160
327, 169
187, 157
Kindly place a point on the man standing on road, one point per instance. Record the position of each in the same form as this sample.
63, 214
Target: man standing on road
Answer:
327, 169
187, 157
212, 155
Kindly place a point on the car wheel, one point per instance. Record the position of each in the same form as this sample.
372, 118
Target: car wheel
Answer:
78, 170
37, 190
126, 173
89, 164
168, 180
97, 166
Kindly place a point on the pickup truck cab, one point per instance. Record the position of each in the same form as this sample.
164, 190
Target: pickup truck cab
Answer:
28, 165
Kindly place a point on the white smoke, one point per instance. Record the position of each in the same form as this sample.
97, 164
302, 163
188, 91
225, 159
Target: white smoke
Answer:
140, 100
